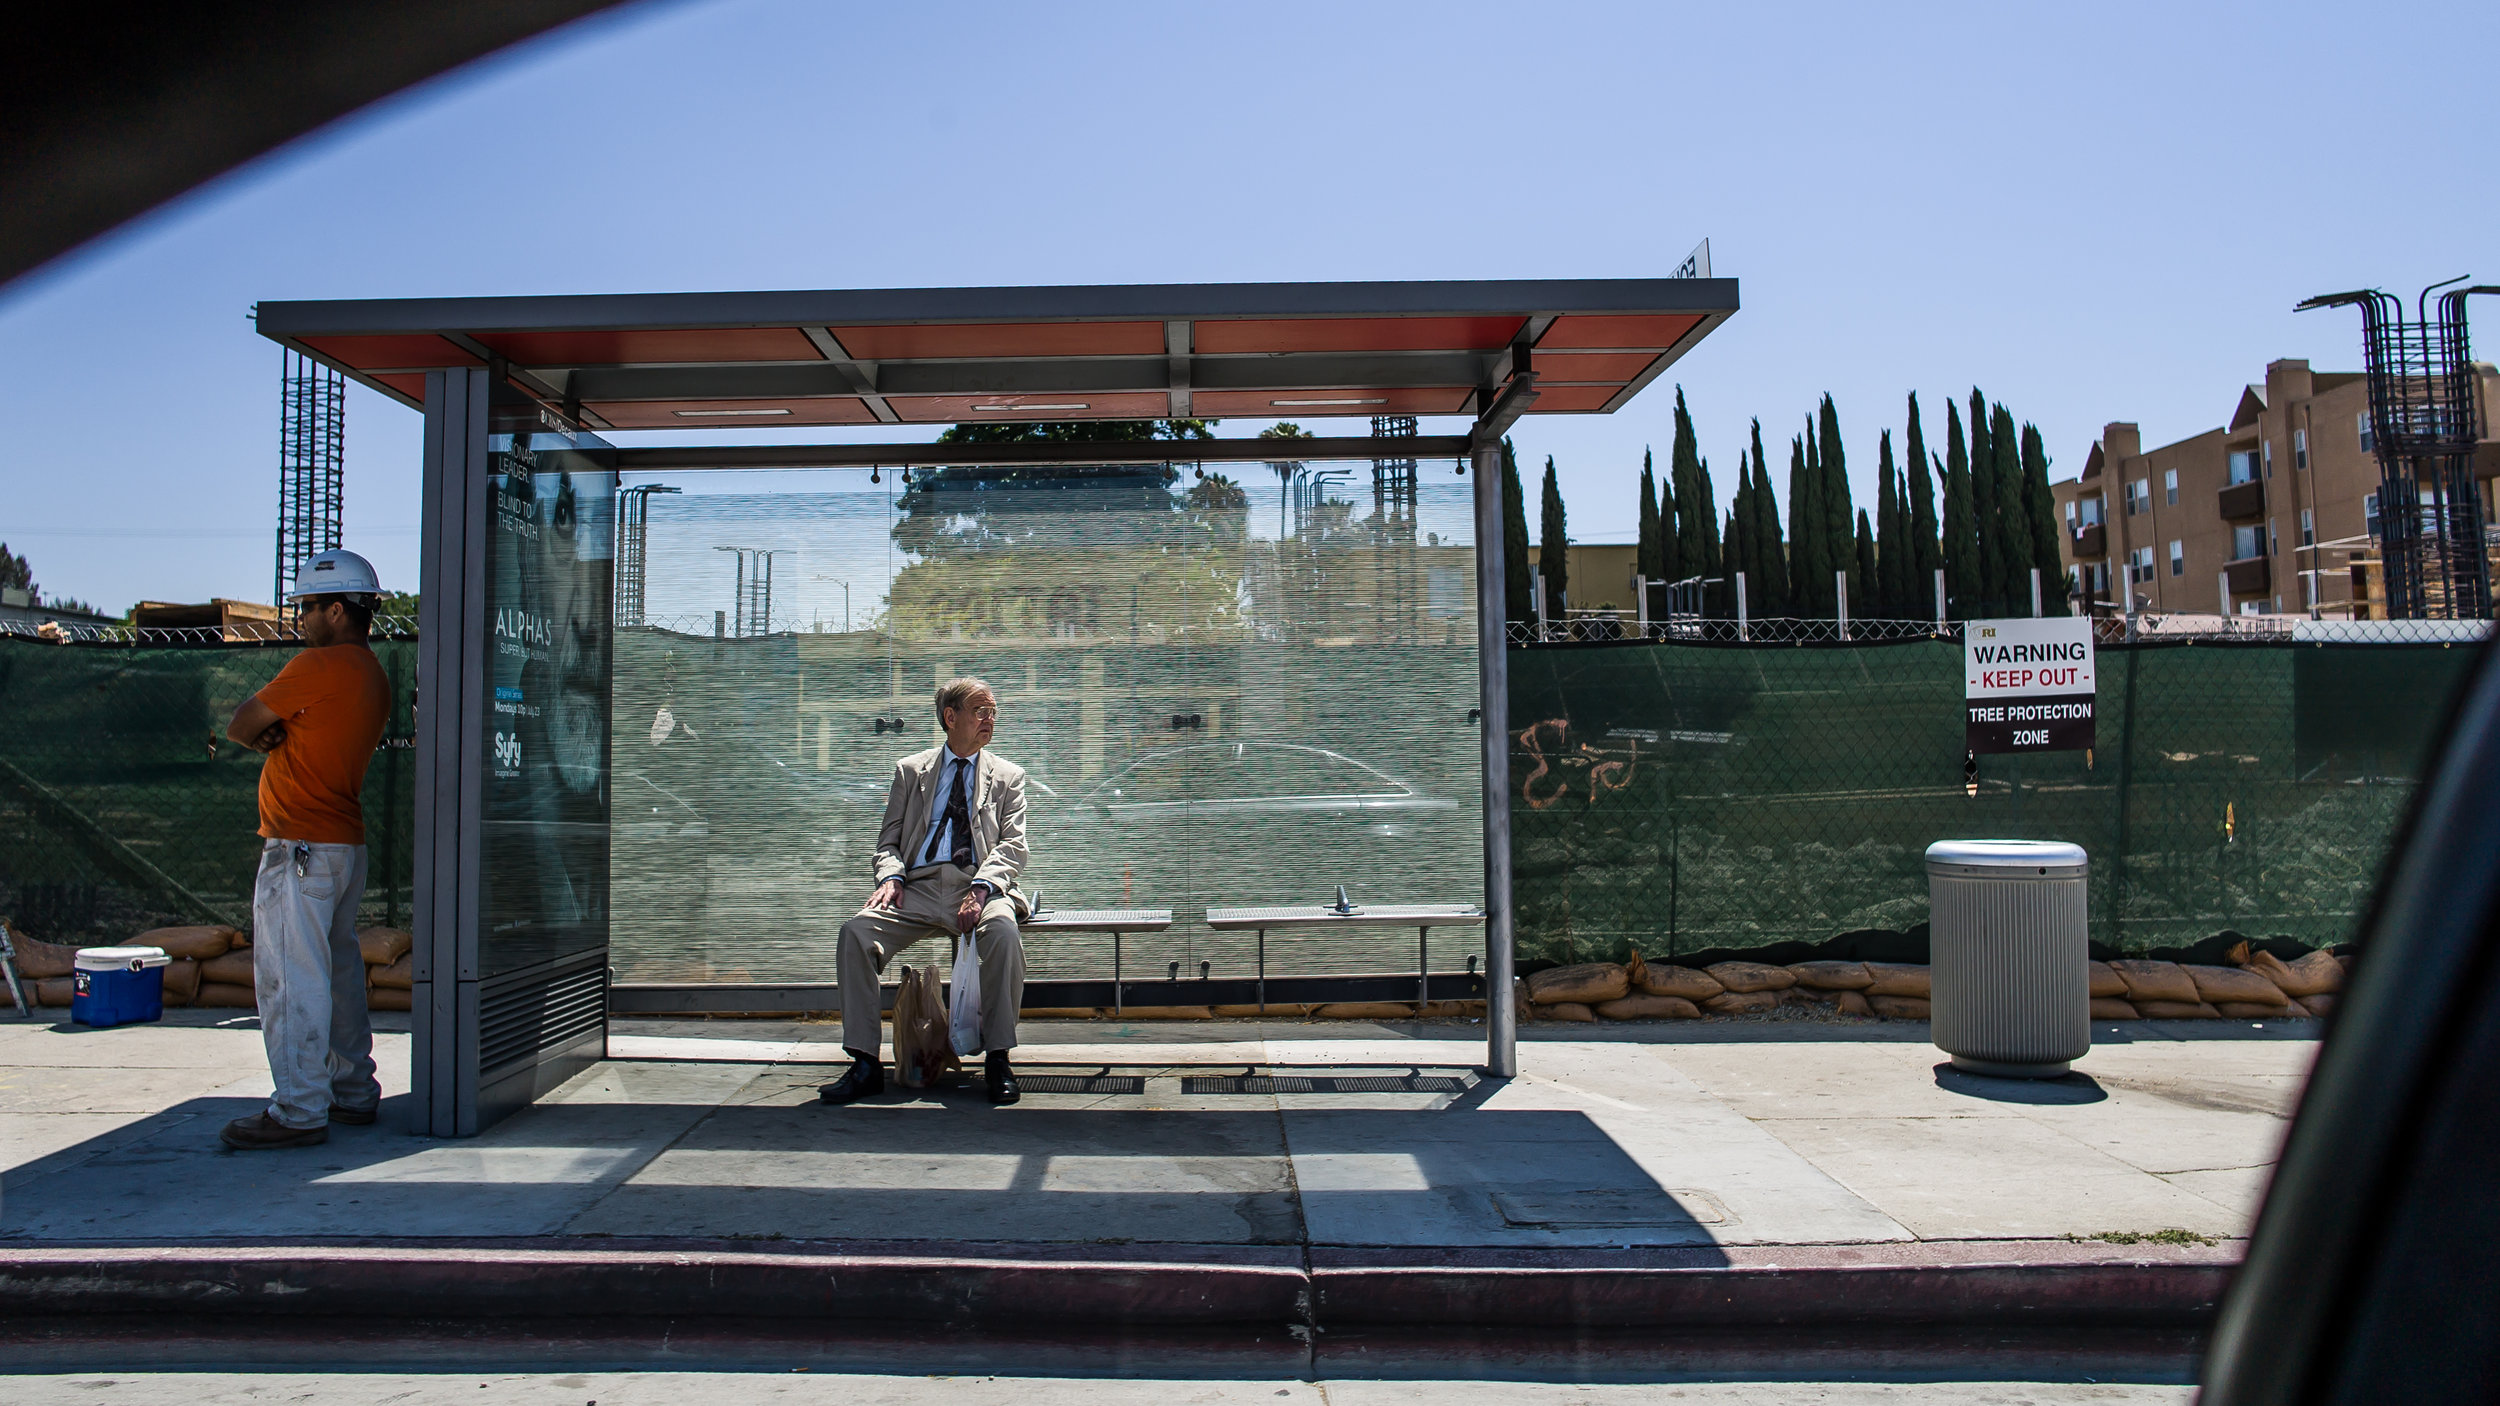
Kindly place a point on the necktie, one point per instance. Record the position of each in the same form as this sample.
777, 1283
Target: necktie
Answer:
959, 816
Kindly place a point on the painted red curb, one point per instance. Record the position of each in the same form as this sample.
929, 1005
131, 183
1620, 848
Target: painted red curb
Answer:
1161, 1287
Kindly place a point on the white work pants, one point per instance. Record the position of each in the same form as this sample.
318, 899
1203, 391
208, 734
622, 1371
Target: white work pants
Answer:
311, 978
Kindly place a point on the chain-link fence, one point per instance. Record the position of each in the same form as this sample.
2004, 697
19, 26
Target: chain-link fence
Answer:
124, 807
1686, 798
1680, 797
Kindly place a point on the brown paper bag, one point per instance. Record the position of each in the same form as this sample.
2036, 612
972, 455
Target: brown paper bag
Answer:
923, 1050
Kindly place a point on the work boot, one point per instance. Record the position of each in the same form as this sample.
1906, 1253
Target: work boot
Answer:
260, 1132
867, 1077
1002, 1080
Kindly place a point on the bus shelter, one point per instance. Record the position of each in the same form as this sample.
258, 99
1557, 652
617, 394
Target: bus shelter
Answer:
651, 747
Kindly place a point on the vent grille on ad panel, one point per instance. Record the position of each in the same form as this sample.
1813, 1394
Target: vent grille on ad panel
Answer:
541, 1011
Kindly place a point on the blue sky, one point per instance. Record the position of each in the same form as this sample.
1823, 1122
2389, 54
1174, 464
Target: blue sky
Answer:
2093, 212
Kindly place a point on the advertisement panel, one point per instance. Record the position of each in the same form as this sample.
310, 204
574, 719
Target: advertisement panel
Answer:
2027, 685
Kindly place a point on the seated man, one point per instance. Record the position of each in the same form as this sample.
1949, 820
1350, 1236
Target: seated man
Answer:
947, 859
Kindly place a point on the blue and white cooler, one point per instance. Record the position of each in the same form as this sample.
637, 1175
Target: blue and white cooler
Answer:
118, 985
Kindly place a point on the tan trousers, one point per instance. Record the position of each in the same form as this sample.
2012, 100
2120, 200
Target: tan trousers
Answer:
930, 897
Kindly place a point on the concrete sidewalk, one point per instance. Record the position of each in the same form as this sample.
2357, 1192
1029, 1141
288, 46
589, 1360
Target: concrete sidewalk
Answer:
1324, 1154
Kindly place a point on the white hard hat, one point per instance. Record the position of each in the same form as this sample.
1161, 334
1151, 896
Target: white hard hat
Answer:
336, 572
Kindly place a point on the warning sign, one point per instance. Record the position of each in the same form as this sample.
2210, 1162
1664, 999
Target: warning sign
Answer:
2027, 685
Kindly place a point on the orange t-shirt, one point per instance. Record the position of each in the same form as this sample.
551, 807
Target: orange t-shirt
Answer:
334, 702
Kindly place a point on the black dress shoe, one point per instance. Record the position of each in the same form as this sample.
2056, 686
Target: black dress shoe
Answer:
867, 1077
1002, 1079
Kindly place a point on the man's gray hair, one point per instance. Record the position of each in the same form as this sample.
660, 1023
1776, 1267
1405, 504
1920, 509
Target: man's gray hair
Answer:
957, 693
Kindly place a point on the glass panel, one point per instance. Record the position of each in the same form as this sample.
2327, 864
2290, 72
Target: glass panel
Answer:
1225, 693
550, 572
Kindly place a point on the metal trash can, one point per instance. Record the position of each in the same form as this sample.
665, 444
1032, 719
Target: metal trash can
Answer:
2010, 991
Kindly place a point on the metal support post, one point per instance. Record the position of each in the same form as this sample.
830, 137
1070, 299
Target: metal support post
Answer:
1423, 969
1939, 597
1501, 1023
1743, 627
1840, 596
1536, 592
1640, 597
2035, 593
2223, 584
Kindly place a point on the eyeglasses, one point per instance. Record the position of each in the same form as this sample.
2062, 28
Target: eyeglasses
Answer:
987, 715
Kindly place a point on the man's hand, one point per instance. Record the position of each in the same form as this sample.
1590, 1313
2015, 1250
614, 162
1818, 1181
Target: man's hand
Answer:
968, 912
256, 725
889, 895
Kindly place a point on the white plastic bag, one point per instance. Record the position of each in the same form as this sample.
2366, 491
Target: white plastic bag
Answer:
963, 1001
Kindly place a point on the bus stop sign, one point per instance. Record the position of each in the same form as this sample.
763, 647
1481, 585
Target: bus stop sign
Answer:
2027, 685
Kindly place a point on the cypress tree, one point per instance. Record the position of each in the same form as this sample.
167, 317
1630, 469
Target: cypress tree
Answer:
1924, 557
1553, 545
1766, 581
1515, 594
2044, 528
1695, 519
1646, 558
2013, 521
1891, 562
1987, 525
1862, 570
1708, 558
1835, 490
1805, 534
1959, 550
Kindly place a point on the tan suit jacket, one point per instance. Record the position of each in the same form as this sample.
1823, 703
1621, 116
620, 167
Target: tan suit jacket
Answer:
997, 819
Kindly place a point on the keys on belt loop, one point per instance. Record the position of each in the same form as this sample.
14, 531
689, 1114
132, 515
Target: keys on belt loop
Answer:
303, 859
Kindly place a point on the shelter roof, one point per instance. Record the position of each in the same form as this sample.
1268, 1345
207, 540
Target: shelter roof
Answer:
946, 355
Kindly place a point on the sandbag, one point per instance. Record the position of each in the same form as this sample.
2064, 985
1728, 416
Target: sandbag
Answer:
1167, 1013
923, 1053
383, 946
1832, 976
2317, 974
1751, 976
1089, 1012
2105, 984
1659, 979
1450, 1010
1854, 1003
233, 969
2321, 1005
1647, 1007
2215, 985
2253, 1010
226, 995
389, 998
1366, 1010
1585, 984
182, 982
1899, 1007
2112, 1008
1742, 1002
38, 960
198, 944
54, 991
1897, 979
2177, 1010
2156, 981
398, 976
1565, 1010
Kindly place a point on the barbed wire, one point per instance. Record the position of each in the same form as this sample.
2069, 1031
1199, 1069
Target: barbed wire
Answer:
1600, 628
246, 632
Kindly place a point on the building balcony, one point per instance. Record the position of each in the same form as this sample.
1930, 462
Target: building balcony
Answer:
2242, 501
2250, 576
2090, 542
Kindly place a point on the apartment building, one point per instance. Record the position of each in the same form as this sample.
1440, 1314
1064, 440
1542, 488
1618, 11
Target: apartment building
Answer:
2270, 514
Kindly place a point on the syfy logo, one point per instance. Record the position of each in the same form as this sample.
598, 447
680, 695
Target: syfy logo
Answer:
507, 752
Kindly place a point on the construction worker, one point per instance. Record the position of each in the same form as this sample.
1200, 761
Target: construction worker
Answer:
318, 722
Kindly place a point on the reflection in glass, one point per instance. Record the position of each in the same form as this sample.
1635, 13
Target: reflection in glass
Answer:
1212, 713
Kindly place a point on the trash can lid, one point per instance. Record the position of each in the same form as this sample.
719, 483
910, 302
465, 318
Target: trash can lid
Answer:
2006, 854
113, 959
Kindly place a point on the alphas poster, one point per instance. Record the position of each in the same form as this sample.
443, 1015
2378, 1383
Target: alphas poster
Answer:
546, 715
